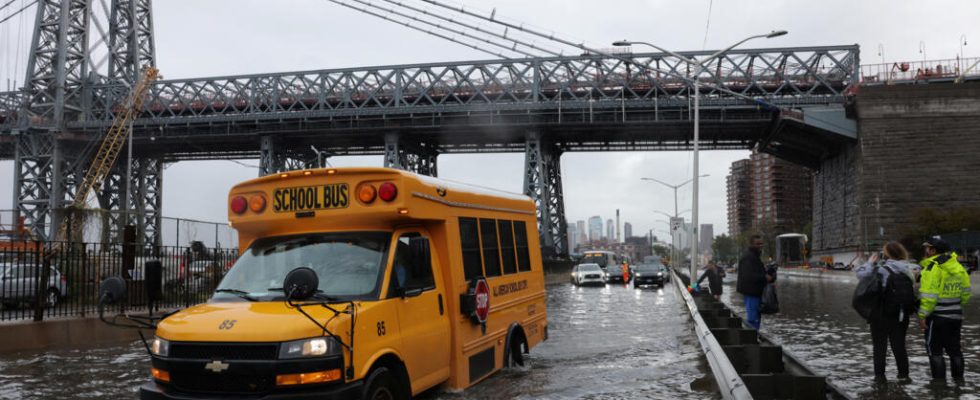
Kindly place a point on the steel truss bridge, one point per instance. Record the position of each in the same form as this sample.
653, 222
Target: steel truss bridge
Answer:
786, 101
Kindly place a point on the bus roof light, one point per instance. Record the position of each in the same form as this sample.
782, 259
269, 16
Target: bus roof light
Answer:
238, 204
366, 193
256, 203
388, 191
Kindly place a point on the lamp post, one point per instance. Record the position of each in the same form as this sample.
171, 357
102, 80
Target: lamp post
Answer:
699, 68
962, 43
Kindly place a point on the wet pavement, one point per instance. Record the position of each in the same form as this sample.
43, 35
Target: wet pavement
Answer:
817, 323
610, 342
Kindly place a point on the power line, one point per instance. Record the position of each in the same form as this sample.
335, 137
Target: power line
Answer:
455, 31
474, 27
409, 25
18, 11
707, 25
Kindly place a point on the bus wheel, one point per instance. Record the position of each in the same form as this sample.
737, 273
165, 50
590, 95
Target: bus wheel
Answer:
381, 385
515, 354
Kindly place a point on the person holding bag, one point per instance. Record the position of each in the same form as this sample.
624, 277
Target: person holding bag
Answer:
895, 302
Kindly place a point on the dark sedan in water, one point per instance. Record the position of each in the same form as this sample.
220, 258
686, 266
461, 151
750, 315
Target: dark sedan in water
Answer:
650, 274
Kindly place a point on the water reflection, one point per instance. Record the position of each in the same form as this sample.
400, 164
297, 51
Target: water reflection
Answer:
816, 322
609, 342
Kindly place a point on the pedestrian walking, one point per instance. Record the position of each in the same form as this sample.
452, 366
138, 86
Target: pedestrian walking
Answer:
944, 289
892, 322
713, 274
752, 280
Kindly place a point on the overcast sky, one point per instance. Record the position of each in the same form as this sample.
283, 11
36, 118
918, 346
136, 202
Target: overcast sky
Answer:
196, 38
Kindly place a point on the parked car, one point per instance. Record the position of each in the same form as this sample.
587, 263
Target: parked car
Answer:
650, 274
18, 284
839, 266
584, 274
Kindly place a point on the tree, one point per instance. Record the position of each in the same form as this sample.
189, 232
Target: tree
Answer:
725, 248
661, 251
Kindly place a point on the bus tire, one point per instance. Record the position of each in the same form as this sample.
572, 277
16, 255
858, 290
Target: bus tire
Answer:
388, 381
515, 350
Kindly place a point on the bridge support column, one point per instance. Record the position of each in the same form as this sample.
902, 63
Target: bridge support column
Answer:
419, 157
138, 202
542, 182
43, 180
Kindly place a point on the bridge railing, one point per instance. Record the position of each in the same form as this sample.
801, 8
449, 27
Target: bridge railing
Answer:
782, 76
918, 71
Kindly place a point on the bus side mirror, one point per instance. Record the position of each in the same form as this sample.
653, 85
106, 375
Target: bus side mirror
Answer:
300, 284
112, 290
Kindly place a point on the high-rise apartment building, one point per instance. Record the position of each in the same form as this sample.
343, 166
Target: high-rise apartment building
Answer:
627, 230
707, 233
610, 231
771, 192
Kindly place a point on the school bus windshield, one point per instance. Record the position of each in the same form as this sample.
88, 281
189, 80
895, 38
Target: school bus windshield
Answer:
348, 264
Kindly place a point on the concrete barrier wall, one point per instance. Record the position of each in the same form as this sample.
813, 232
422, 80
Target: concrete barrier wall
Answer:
557, 271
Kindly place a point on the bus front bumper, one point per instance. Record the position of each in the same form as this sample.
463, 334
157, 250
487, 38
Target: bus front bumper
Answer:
352, 390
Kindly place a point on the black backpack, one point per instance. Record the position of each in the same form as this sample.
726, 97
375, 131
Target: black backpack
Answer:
899, 292
867, 296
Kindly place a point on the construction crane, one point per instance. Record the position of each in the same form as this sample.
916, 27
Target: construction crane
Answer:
110, 147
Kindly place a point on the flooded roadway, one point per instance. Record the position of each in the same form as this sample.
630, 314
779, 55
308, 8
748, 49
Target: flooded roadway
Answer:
817, 323
609, 342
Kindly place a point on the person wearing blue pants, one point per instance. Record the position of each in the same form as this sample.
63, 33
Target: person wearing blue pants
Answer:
752, 279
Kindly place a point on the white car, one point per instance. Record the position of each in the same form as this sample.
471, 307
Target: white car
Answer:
586, 274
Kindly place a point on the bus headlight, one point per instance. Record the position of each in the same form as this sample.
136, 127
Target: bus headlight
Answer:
160, 347
313, 347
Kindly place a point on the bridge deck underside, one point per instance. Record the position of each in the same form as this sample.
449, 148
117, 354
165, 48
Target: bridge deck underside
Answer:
578, 130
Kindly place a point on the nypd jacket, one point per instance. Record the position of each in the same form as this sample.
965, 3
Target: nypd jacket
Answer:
944, 288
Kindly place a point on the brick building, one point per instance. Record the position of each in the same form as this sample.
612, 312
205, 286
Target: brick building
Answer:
767, 191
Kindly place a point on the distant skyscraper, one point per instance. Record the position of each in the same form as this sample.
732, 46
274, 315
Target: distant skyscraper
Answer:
610, 230
583, 234
627, 230
595, 228
707, 238
572, 236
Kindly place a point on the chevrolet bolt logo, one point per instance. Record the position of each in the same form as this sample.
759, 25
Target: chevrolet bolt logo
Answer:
216, 366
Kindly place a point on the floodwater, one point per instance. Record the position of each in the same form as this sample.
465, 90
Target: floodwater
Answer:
610, 342
817, 323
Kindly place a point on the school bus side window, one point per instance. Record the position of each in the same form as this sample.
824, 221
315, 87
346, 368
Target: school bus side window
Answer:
412, 266
469, 238
491, 253
507, 246
523, 257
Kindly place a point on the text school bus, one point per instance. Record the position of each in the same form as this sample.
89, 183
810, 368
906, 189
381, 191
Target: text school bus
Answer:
360, 283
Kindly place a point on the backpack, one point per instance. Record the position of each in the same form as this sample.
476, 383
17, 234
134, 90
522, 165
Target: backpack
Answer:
867, 296
899, 292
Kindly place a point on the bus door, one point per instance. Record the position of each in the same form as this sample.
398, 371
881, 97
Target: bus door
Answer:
417, 287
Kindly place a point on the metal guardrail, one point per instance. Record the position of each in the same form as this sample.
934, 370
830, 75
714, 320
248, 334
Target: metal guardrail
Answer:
70, 286
729, 382
919, 71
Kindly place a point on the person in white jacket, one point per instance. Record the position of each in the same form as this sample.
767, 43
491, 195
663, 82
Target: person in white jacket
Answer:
895, 322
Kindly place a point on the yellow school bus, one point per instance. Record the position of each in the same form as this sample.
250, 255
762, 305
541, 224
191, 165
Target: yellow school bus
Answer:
420, 282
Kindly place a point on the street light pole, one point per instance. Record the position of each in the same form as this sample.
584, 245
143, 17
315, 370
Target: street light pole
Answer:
699, 69
676, 214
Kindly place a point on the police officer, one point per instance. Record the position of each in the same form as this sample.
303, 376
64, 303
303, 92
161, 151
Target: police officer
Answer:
944, 289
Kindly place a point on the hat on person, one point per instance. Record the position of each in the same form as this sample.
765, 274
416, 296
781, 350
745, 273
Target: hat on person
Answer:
937, 243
